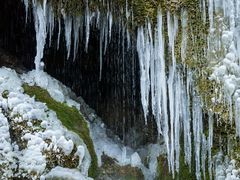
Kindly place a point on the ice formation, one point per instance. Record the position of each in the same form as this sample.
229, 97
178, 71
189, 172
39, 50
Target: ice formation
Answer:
171, 91
227, 70
41, 31
166, 88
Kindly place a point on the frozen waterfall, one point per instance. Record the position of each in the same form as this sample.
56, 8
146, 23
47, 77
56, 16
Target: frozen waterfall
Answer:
168, 89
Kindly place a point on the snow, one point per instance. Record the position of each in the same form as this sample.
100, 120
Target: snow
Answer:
9, 81
23, 112
25, 109
225, 168
65, 174
65, 145
105, 145
123, 155
6, 153
135, 160
57, 90
227, 71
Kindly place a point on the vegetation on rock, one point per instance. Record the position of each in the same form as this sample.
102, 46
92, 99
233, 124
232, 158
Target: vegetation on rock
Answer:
71, 119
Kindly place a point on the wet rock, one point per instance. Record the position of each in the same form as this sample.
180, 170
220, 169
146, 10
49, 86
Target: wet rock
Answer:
111, 170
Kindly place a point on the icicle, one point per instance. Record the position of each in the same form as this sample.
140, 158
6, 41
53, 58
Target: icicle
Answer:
50, 23
110, 22
127, 11
59, 32
45, 7
143, 48
128, 39
197, 132
163, 82
184, 34
210, 143
68, 33
230, 109
105, 28
210, 13
41, 32
204, 155
178, 95
76, 27
172, 114
187, 121
101, 52
98, 18
204, 11
87, 25
26, 3
237, 116
172, 31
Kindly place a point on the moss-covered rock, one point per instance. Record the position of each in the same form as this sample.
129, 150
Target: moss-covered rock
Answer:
70, 117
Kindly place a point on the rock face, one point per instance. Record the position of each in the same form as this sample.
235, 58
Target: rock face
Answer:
111, 170
16, 38
10, 61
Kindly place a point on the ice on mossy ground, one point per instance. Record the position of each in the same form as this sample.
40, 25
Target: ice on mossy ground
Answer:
33, 140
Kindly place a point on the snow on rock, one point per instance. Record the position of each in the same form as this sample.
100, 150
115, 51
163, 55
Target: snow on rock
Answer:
6, 151
31, 136
135, 160
9, 80
66, 145
225, 49
105, 145
64, 174
57, 90
122, 155
225, 169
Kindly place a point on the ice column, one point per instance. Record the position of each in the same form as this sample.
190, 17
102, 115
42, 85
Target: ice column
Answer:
144, 48
41, 31
197, 132
68, 33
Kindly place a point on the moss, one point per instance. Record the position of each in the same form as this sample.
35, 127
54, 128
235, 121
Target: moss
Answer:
5, 94
71, 119
235, 152
184, 172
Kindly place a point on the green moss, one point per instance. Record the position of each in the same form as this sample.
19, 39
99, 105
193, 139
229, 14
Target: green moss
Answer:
5, 94
184, 173
70, 117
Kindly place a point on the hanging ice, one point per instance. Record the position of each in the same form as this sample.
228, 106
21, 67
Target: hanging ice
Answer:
197, 132
59, 32
187, 120
76, 27
68, 33
184, 34
26, 3
41, 31
210, 143
144, 47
